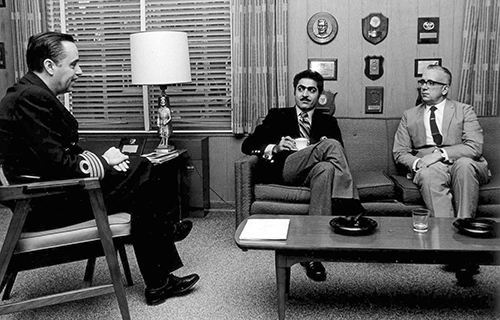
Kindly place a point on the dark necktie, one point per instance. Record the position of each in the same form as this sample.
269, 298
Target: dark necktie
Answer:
305, 125
434, 128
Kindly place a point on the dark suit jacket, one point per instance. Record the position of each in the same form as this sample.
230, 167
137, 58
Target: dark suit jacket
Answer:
283, 122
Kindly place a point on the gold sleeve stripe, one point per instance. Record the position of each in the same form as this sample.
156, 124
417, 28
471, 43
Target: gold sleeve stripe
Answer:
96, 168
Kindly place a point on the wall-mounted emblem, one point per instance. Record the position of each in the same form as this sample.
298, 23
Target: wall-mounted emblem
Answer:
428, 30
374, 68
326, 102
322, 27
374, 99
375, 27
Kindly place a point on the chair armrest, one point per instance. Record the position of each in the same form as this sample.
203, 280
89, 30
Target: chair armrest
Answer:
244, 186
42, 189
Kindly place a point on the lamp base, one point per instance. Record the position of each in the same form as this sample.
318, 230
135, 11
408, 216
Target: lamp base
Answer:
164, 149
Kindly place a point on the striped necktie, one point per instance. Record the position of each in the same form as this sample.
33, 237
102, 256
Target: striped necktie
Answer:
438, 138
304, 125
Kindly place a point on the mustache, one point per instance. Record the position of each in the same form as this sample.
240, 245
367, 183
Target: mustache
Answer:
305, 99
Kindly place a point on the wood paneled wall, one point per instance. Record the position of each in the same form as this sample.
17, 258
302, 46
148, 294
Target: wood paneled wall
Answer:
399, 49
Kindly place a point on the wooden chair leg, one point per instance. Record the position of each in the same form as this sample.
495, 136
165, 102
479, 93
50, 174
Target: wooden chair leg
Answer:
109, 249
9, 280
126, 265
89, 272
4, 281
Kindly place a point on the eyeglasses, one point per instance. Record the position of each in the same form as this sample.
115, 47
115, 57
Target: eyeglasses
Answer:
429, 83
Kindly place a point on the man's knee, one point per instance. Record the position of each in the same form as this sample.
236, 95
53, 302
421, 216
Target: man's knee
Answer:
464, 167
463, 164
422, 175
426, 175
322, 167
321, 173
331, 142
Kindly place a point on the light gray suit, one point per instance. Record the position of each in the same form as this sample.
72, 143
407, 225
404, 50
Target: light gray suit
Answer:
450, 188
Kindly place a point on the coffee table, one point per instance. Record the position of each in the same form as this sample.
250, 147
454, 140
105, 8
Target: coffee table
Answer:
394, 241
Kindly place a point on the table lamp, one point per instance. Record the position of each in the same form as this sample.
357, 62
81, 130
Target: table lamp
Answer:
160, 58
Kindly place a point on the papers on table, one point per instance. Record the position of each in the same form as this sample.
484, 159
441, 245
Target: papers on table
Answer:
265, 229
160, 157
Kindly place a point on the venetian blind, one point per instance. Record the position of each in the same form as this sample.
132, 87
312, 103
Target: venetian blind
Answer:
105, 99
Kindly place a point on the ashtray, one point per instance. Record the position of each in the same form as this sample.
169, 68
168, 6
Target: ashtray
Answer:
481, 228
348, 225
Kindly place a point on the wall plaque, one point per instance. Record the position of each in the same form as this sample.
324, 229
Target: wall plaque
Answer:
374, 99
374, 68
322, 27
375, 27
428, 30
326, 67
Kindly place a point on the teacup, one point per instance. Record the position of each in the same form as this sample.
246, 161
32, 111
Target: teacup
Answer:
301, 143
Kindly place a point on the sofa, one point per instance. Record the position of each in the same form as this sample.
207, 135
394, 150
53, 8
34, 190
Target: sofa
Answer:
383, 188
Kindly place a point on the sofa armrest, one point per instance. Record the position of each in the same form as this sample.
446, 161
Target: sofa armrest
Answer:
244, 186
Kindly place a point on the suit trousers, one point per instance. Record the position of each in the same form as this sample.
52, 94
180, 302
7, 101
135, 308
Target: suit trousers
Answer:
452, 188
324, 169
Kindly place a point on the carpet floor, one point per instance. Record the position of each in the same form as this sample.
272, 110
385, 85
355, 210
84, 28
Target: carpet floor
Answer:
237, 285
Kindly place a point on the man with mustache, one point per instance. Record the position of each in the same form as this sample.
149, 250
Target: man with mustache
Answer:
322, 165
39, 142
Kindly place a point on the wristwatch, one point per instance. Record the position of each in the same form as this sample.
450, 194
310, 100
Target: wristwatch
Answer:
440, 152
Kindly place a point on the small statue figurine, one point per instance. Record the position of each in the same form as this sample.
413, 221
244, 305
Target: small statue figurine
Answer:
164, 122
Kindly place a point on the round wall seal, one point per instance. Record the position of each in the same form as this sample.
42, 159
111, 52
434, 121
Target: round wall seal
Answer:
322, 27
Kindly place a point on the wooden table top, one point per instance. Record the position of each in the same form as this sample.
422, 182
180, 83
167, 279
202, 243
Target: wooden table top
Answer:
392, 234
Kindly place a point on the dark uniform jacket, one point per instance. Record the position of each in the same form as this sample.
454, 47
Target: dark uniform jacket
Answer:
38, 141
283, 122
38, 136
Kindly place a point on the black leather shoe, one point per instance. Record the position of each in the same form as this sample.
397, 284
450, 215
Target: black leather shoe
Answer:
175, 287
347, 207
182, 229
472, 269
315, 270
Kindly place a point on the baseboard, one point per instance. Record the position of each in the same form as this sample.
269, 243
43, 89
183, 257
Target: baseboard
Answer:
226, 205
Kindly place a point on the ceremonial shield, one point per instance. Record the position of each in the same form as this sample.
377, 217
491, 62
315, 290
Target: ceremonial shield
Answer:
374, 68
375, 27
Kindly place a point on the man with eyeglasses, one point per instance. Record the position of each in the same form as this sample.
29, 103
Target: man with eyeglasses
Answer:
440, 143
322, 165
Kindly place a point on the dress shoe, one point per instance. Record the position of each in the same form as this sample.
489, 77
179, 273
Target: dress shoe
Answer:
315, 270
182, 229
175, 286
347, 207
472, 269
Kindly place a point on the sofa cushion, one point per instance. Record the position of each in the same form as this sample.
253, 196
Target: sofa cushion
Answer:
282, 193
490, 192
374, 185
407, 191
274, 207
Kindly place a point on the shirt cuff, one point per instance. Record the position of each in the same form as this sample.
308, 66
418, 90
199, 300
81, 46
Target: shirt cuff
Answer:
414, 166
269, 150
445, 154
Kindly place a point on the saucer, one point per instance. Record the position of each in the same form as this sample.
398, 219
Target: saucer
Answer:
346, 226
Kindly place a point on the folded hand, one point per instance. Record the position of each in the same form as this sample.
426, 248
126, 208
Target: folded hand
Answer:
117, 159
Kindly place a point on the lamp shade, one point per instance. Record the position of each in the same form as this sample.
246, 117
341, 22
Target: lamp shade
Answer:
159, 57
